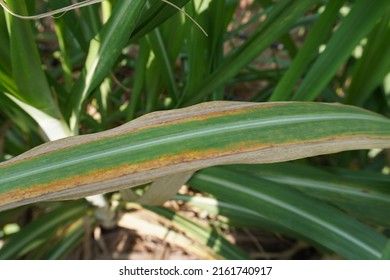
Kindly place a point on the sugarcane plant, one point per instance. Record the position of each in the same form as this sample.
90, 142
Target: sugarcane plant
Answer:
280, 120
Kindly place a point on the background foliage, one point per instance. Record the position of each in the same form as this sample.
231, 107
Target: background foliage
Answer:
95, 68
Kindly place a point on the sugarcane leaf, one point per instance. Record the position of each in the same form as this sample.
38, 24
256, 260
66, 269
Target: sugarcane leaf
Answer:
359, 22
183, 140
309, 217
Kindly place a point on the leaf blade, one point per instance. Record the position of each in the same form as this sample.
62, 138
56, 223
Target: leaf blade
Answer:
312, 218
361, 19
171, 142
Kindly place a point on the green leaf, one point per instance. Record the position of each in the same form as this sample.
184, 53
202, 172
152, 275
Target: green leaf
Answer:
75, 24
155, 16
69, 241
54, 128
104, 50
28, 74
237, 215
164, 61
198, 51
171, 142
36, 233
308, 51
386, 251
362, 199
377, 182
281, 18
374, 65
359, 22
312, 218
139, 77
5, 56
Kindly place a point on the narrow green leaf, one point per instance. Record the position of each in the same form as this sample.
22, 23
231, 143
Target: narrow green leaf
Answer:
170, 142
197, 61
26, 65
53, 128
154, 16
237, 215
68, 242
361, 199
386, 251
103, 52
359, 22
91, 14
65, 59
374, 65
312, 218
73, 23
5, 56
139, 77
163, 60
282, 16
312, 43
377, 182
7, 84
34, 234
153, 85
20, 118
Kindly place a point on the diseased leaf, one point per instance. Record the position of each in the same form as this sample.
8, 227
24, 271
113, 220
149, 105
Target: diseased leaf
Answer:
166, 143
